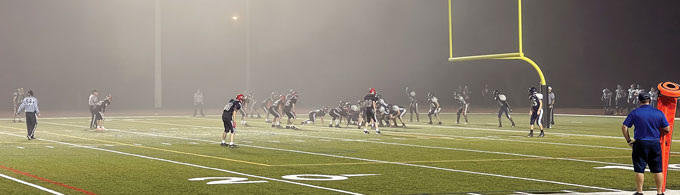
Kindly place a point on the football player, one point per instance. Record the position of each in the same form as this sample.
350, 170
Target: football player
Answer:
336, 114
631, 98
100, 109
289, 110
275, 110
536, 111
620, 99
228, 118
266, 104
435, 107
252, 105
607, 100
397, 112
504, 107
413, 105
245, 103
463, 106
370, 106
17, 98
320, 113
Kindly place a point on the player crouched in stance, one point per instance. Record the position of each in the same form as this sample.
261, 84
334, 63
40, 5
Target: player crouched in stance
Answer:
464, 105
289, 110
336, 114
100, 109
275, 110
435, 107
370, 106
504, 107
536, 111
228, 117
320, 113
397, 112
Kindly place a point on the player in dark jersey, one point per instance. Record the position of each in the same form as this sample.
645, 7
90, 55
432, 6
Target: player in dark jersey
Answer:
412, 105
314, 114
370, 101
435, 107
228, 118
466, 96
245, 103
504, 107
252, 106
396, 112
463, 106
289, 110
536, 111
266, 104
275, 110
607, 101
336, 115
620, 99
17, 98
100, 109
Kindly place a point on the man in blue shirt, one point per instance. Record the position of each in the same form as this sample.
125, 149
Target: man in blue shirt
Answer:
649, 123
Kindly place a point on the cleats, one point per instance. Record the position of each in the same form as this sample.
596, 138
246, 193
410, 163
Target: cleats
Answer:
377, 132
330, 125
430, 122
541, 134
531, 134
233, 146
439, 123
223, 144
337, 126
29, 137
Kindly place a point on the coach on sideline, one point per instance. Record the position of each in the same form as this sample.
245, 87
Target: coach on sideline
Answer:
648, 122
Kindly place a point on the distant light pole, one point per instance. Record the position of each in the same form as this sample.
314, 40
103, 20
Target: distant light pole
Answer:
157, 82
237, 18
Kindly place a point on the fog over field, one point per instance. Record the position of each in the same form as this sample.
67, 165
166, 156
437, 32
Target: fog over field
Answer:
328, 50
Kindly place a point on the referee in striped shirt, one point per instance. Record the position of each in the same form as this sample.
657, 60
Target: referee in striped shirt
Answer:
30, 106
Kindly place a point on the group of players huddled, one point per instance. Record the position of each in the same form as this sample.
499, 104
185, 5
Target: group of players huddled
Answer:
622, 101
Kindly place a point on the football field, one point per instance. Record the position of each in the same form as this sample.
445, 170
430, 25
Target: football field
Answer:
182, 155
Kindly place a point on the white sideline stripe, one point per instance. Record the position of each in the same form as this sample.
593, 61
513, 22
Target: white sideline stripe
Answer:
431, 147
30, 184
380, 161
189, 164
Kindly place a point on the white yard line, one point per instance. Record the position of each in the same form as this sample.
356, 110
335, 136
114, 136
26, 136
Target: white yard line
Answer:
189, 164
380, 161
30, 184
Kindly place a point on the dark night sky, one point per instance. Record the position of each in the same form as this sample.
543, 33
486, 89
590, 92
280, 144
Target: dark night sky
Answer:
331, 49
